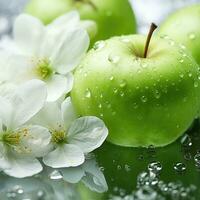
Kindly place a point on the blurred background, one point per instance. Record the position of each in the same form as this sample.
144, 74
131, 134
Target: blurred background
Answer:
147, 11
116, 161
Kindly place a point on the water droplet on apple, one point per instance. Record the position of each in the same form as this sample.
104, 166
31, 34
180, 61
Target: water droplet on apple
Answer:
101, 114
101, 96
115, 90
125, 40
121, 94
123, 84
99, 45
182, 46
196, 84
100, 105
181, 60
157, 94
113, 113
190, 74
135, 105
111, 78
192, 36
181, 75
87, 93
113, 59
144, 99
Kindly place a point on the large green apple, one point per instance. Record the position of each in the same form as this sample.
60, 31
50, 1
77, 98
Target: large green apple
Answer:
112, 17
143, 101
183, 26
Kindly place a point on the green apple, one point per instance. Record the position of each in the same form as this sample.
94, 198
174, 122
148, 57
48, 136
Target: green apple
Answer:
143, 101
112, 17
183, 26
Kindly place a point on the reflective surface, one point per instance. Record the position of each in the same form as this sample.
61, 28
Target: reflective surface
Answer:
172, 172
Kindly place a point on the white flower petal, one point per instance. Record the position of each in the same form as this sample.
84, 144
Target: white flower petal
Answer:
67, 155
72, 174
94, 178
28, 33
71, 19
49, 116
58, 85
35, 140
6, 112
4, 162
21, 167
68, 112
71, 50
28, 99
88, 133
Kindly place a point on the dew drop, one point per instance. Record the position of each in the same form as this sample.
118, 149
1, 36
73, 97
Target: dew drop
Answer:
99, 45
123, 84
186, 141
192, 36
144, 99
179, 167
55, 175
197, 159
157, 94
88, 93
100, 105
155, 167
111, 78
113, 59
125, 40
196, 84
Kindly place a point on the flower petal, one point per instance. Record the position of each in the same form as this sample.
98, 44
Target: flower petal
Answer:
59, 85
28, 33
67, 155
72, 174
71, 19
35, 140
4, 163
28, 99
94, 178
49, 116
6, 112
88, 133
21, 167
70, 51
68, 112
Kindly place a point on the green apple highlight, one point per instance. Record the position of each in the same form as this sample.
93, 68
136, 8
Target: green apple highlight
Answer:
143, 101
112, 17
183, 26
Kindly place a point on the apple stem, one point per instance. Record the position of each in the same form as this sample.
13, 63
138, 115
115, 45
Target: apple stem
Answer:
153, 27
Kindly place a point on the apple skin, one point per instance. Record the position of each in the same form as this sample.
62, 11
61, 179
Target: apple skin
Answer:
143, 101
183, 27
113, 17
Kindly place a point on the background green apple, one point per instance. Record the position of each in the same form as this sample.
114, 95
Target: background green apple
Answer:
184, 27
113, 17
143, 101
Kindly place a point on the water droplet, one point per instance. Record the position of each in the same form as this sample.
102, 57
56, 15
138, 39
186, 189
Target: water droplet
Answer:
40, 194
121, 93
144, 99
181, 60
190, 74
113, 59
125, 40
123, 84
186, 141
135, 105
99, 45
196, 84
192, 36
55, 175
119, 167
111, 78
115, 90
155, 167
88, 93
100, 105
157, 94
127, 168
180, 167
171, 42
197, 159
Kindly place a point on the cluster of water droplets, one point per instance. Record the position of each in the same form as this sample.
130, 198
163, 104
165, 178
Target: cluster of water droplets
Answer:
17, 192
